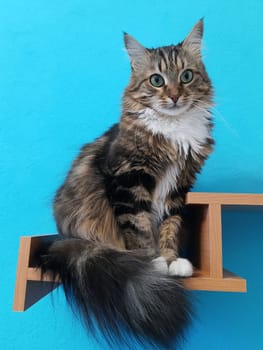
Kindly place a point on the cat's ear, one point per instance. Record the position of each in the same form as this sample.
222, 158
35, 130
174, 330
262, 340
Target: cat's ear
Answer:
136, 51
193, 41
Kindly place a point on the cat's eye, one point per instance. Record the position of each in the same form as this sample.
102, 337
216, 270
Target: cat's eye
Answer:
187, 76
157, 80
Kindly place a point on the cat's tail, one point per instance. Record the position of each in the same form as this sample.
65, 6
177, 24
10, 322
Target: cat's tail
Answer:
121, 290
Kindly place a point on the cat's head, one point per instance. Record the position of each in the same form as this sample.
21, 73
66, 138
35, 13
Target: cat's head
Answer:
171, 80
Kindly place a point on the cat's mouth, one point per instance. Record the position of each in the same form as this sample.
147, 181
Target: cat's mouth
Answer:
177, 103
174, 108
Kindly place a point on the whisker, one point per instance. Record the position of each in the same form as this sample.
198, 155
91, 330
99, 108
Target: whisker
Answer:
217, 114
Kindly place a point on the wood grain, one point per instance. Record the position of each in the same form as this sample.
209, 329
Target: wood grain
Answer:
28, 291
225, 198
228, 283
215, 240
21, 274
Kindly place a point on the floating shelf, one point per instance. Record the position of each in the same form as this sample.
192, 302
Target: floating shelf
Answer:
205, 214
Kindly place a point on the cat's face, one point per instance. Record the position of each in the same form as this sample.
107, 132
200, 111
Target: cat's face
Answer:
171, 80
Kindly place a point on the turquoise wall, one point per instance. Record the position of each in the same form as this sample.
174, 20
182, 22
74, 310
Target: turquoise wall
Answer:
62, 73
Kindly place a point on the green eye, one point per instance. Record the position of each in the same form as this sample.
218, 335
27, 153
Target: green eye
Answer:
157, 80
187, 76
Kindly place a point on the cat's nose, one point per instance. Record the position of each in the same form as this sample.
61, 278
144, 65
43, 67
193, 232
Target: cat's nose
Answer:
174, 98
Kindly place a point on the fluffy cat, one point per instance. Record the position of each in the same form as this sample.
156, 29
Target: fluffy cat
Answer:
119, 211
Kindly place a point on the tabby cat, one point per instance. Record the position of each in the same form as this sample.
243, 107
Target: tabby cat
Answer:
119, 211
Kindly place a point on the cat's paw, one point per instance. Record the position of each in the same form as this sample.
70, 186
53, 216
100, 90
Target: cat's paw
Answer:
160, 265
181, 267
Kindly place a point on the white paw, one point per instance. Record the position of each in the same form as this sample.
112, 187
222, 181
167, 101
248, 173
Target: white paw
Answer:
181, 267
160, 265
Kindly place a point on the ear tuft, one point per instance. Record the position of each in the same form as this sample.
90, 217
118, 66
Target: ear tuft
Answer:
135, 50
193, 41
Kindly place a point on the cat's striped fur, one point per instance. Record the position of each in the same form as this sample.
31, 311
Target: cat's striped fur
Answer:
120, 206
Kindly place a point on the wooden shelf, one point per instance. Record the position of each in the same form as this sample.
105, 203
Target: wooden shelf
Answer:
205, 215
30, 285
225, 199
229, 282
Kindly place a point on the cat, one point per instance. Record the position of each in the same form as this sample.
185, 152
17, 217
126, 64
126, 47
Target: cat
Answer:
119, 211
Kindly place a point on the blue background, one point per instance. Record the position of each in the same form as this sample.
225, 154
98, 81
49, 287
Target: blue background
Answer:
62, 72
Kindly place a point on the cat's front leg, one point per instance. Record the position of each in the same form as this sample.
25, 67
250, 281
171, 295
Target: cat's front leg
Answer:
136, 230
169, 247
132, 206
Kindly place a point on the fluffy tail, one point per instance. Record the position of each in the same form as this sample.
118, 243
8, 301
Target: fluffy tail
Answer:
121, 289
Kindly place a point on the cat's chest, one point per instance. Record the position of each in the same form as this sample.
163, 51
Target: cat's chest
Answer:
186, 135
166, 184
189, 131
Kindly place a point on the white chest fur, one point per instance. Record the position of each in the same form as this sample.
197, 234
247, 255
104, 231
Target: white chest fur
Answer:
189, 130
164, 186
